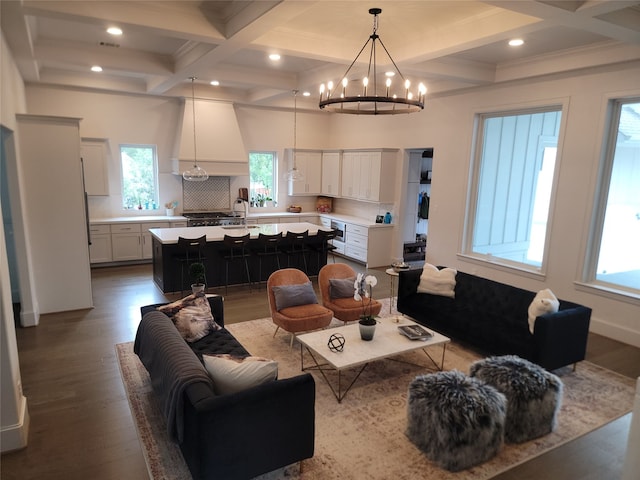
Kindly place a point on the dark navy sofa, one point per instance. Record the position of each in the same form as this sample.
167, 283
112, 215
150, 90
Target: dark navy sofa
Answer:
493, 318
233, 436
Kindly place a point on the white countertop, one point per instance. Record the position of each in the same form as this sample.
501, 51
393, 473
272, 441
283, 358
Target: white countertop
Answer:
364, 222
138, 219
168, 236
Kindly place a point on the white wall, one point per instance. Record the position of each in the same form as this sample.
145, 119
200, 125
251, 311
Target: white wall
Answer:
447, 125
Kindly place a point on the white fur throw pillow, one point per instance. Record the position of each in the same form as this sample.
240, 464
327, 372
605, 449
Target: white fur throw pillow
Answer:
437, 282
544, 302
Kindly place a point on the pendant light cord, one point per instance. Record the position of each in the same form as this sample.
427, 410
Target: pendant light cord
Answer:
193, 112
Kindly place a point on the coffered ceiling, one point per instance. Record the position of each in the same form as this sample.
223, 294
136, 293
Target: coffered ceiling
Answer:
447, 44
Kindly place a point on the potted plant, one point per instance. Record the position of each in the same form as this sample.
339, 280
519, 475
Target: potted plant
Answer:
363, 290
197, 274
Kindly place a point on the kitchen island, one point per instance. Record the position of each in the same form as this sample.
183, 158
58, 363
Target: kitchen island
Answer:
167, 269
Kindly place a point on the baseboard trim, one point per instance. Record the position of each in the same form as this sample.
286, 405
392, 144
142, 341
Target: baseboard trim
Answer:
15, 437
616, 332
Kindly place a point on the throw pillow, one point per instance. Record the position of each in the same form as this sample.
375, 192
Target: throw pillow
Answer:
233, 374
341, 287
437, 282
544, 302
294, 295
192, 316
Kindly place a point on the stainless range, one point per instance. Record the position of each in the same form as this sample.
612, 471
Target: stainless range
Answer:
212, 219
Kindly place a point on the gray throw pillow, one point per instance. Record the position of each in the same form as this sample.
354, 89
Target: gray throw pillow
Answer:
341, 287
294, 295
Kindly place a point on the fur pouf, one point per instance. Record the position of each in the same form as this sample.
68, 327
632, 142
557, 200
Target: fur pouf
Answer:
533, 395
456, 420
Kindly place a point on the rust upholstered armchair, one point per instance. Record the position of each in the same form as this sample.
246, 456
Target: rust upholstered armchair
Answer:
343, 305
293, 303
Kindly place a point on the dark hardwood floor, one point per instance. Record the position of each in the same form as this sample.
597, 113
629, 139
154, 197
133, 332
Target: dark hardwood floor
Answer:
81, 425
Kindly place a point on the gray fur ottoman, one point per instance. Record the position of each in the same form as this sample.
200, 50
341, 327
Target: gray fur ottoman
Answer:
456, 420
533, 395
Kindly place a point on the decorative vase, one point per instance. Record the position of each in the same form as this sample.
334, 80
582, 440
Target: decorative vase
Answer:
197, 287
367, 329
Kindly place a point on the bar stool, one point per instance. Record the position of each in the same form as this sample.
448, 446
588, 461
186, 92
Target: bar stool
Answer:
236, 249
190, 250
295, 245
267, 246
323, 246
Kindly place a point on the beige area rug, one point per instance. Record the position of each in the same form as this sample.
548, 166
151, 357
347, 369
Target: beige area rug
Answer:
363, 437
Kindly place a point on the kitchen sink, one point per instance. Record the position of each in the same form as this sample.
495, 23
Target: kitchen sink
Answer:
239, 227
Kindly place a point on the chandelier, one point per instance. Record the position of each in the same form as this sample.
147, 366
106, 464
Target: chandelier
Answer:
366, 99
196, 173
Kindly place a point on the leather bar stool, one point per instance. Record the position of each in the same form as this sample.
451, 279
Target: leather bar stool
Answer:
267, 246
323, 245
295, 247
190, 250
236, 249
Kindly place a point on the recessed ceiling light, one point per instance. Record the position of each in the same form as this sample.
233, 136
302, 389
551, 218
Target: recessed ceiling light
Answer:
96, 68
114, 30
306, 94
516, 42
215, 83
390, 73
274, 57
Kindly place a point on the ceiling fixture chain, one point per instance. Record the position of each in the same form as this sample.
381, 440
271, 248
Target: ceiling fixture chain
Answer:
294, 174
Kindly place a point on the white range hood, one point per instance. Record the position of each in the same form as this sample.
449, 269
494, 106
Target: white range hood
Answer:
220, 149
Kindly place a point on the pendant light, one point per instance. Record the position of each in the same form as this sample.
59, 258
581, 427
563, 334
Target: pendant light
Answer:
196, 173
294, 174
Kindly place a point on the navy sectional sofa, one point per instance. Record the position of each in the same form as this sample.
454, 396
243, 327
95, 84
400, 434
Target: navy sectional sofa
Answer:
233, 436
493, 318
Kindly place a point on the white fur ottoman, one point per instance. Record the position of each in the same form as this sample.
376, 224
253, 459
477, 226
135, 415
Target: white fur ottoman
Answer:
456, 420
533, 395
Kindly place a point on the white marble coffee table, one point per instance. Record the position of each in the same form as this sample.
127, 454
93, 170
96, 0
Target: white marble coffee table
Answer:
387, 342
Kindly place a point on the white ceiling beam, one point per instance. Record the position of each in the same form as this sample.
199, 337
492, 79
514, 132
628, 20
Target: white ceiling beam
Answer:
275, 14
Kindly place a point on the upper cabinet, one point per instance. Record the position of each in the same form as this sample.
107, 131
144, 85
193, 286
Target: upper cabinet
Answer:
93, 152
369, 175
309, 162
331, 174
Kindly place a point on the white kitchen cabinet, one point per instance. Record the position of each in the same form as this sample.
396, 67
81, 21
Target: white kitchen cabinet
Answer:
350, 182
331, 174
100, 248
309, 162
147, 248
181, 224
369, 175
368, 245
126, 242
93, 152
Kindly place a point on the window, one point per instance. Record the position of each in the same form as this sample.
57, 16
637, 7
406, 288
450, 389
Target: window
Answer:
139, 177
263, 175
512, 189
616, 236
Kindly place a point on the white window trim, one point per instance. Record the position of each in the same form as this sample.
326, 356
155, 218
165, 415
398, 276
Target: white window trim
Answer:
156, 179
588, 282
472, 191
